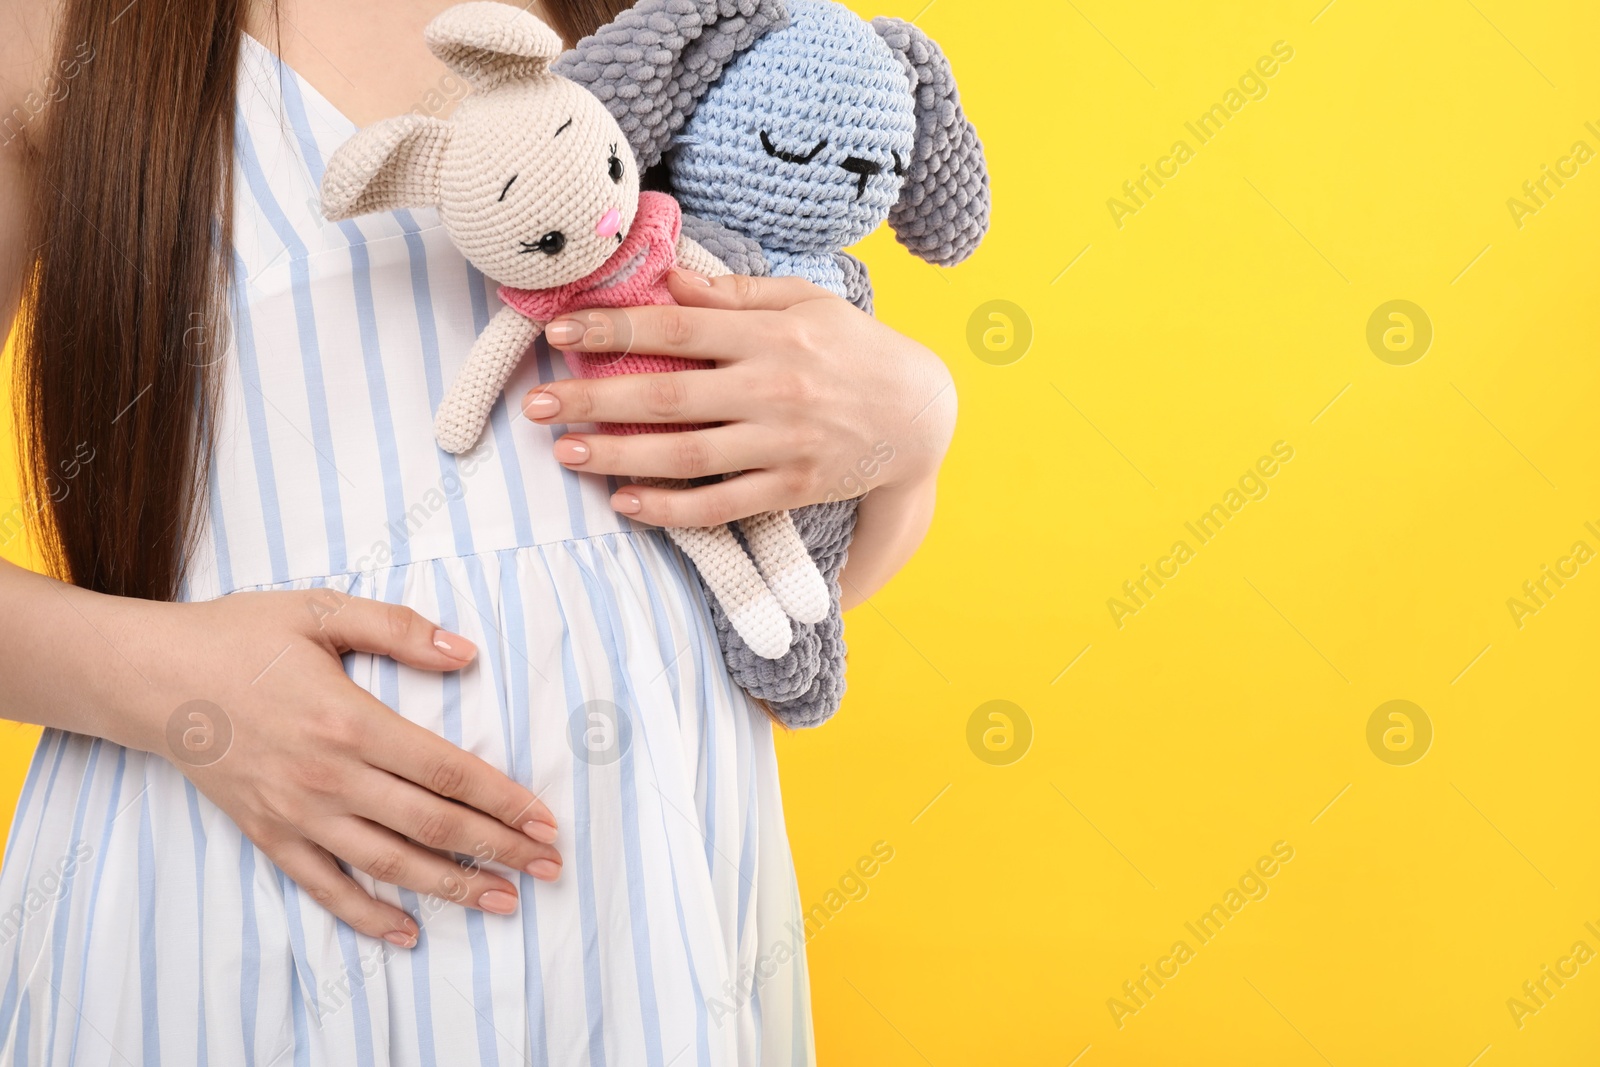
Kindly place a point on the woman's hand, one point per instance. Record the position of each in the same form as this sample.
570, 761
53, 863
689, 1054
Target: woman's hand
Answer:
311, 766
818, 401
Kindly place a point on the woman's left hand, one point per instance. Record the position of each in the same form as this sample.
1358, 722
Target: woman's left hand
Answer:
817, 401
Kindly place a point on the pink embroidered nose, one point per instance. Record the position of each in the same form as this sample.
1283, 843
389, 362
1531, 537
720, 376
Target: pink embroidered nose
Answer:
609, 223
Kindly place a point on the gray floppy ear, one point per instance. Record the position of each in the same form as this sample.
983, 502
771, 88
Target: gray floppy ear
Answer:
653, 63
489, 44
388, 165
943, 211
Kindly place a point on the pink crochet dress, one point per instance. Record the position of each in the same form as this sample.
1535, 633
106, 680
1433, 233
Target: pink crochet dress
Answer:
634, 276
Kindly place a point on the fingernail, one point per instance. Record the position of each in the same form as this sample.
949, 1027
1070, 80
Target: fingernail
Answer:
568, 451
542, 832
498, 901
626, 503
453, 645
400, 939
544, 870
564, 332
691, 277
541, 406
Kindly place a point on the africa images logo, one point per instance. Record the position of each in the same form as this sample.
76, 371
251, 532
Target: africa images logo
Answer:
1252, 85
1252, 485
1252, 886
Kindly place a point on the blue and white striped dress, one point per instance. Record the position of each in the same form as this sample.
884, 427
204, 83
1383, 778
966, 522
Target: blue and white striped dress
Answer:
137, 925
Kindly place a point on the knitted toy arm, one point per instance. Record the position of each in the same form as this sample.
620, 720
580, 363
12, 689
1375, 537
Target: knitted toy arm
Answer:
489, 365
741, 254
693, 256
857, 282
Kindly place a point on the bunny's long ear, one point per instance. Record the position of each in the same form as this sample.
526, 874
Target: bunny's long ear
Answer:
388, 165
943, 211
652, 64
490, 44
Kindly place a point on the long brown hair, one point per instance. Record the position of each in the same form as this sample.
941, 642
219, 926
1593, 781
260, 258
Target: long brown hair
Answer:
123, 304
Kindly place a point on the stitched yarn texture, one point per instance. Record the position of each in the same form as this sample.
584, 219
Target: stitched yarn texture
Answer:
537, 186
561, 185
943, 211
738, 253
828, 66
805, 686
634, 276
652, 62
820, 128
798, 145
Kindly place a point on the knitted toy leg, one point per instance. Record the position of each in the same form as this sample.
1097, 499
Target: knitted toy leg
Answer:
786, 565
729, 575
803, 687
739, 593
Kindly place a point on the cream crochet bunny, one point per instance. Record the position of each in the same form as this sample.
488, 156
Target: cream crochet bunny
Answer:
536, 185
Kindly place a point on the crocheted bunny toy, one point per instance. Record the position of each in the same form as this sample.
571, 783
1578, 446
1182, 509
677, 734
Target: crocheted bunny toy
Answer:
860, 122
813, 136
537, 187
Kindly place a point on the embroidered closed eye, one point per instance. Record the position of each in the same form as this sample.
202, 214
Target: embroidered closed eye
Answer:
867, 168
862, 169
791, 157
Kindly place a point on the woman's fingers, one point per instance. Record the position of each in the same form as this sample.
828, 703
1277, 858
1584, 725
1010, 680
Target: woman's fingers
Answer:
421, 756
666, 330
706, 505
389, 858
693, 396
404, 748
349, 623
447, 826
736, 292
316, 872
691, 454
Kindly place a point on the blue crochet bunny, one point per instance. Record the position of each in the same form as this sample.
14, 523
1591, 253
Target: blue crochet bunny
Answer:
824, 129
789, 130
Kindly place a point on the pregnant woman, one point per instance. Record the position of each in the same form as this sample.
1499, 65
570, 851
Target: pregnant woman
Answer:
357, 752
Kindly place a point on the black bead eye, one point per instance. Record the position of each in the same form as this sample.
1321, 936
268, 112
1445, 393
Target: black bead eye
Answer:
614, 167
549, 244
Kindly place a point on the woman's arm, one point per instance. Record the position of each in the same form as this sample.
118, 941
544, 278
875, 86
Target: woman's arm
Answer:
890, 527
817, 399
247, 697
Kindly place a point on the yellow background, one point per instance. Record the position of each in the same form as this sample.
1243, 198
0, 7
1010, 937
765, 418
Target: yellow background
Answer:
1232, 709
